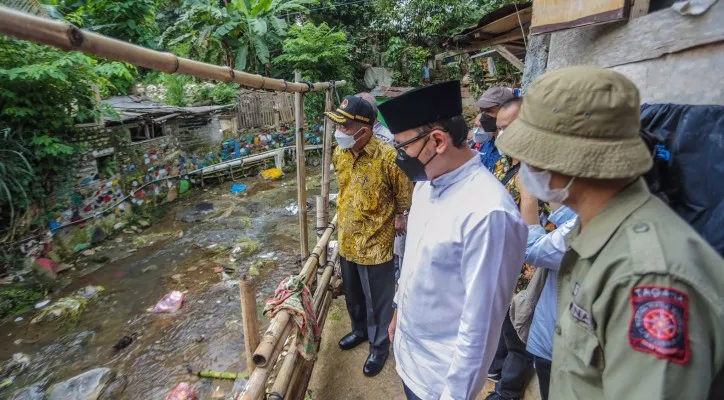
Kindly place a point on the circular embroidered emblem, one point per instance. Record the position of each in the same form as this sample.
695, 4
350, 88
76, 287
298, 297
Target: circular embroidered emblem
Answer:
344, 104
660, 323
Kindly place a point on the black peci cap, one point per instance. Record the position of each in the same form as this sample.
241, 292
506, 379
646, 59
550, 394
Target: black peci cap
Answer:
423, 106
355, 109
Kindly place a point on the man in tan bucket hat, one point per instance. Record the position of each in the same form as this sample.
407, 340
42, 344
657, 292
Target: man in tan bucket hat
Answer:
641, 299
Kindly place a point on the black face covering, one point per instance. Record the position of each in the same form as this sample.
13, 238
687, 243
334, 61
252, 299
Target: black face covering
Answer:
412, 166
488, 123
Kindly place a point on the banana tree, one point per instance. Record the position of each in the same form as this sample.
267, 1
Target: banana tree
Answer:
243, 31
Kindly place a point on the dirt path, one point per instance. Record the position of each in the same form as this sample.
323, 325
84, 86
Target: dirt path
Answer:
338, 374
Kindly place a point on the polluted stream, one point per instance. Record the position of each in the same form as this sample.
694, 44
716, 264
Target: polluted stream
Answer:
197, 247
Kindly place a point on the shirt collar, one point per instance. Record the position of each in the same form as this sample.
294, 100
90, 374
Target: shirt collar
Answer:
370, 148
457, 174
597, 233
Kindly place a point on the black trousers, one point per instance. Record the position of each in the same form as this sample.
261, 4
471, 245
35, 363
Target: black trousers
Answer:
543, 371
368, 292
512, 361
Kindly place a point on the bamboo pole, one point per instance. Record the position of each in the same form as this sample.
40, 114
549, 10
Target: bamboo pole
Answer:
327, 155
250, 320
323, 285
301, 171
274, 334
303, 371
321, 227
221, 375
256, 385
68, 37
271, 337
308, 272
284, 377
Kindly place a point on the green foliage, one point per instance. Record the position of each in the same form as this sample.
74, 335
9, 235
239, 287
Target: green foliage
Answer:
429, 22
224, 93
16, 171
120, 76
175, 89
408, 62
130, 20
451, 71
240, 34
319, 53
44, 92
16, 299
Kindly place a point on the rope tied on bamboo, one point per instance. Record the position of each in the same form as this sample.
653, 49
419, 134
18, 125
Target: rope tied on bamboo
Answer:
333, 87
309, 84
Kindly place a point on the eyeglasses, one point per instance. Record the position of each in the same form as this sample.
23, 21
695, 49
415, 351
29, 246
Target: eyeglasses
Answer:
422, 135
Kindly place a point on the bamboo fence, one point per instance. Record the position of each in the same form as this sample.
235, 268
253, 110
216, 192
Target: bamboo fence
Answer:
68, 37
276, 336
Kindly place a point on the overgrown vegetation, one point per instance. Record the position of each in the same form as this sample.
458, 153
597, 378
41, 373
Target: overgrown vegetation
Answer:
44, 92
318, 52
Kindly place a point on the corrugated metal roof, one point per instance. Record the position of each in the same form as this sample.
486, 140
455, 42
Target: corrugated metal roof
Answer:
131, 108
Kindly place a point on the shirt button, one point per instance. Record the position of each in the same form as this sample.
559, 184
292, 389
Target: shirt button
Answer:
558, 329
641, 228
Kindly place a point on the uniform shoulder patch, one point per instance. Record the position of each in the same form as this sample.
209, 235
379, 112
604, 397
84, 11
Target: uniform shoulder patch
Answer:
659, 323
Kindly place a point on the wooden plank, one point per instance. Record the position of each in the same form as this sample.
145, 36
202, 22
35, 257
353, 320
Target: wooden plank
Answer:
504, 24
507, 37
644, 38
554, 15
639, 8
517, 63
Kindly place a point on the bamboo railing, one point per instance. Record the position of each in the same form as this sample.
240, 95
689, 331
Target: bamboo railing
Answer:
68, 37
275, 338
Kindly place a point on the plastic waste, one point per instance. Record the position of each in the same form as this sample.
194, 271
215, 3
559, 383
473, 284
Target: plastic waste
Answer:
238, 188
183, 391
272, 173
170, 303
184, 186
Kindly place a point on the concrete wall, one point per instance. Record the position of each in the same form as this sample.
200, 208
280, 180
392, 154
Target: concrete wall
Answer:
198, 131
671, 58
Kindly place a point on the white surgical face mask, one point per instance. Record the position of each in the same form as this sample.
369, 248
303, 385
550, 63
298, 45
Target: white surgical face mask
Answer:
344, 140
480, 136
538, 184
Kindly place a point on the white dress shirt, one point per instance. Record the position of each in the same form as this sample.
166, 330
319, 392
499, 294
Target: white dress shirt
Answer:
465, 245
545, 250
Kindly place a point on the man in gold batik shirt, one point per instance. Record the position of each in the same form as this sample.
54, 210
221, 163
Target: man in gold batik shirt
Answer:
373, 196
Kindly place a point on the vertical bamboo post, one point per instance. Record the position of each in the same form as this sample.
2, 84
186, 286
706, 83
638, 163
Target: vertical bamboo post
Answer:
327, 157
301, 171
321, 226
250, 320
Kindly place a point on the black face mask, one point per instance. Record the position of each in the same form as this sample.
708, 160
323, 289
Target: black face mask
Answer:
488, 123
412, 166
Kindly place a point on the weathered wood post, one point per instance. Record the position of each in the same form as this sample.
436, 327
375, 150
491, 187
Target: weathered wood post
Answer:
250, 320
301, 171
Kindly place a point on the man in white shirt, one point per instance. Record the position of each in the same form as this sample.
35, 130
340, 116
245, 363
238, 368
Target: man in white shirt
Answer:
465, 245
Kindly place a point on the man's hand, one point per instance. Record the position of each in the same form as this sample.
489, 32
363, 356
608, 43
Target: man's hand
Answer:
401, 224
392, 328
524, 194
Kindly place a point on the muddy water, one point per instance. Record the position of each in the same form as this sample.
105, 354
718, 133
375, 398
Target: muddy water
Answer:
206, 333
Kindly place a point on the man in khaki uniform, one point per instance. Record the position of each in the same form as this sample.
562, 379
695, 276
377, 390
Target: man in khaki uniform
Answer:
641, 294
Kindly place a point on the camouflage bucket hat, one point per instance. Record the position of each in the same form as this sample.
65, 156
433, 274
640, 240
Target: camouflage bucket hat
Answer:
580, 121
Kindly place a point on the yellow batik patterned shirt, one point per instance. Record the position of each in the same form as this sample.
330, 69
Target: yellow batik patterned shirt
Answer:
372, 190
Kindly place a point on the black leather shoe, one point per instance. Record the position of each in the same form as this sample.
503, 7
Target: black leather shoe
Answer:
351, 341
374, 364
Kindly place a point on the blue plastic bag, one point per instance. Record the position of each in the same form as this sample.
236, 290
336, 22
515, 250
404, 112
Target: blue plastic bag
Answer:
238, 188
